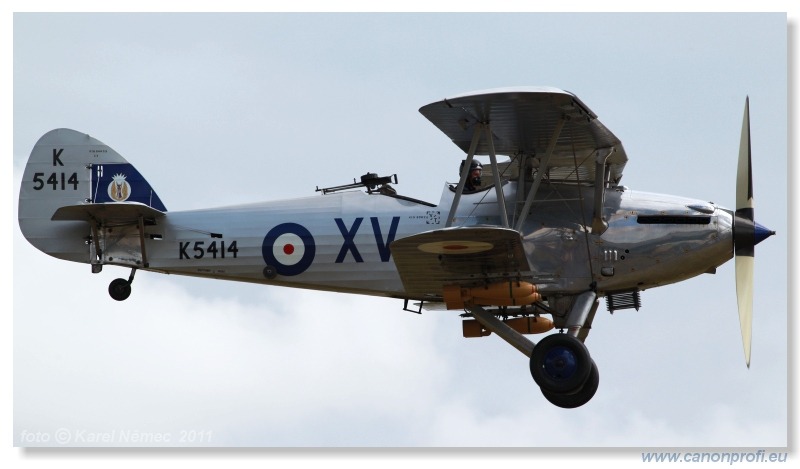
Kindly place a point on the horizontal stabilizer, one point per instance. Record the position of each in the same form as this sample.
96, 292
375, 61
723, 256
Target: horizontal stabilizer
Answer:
108, 213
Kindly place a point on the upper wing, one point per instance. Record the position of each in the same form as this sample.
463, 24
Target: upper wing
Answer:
457, 256
523, 121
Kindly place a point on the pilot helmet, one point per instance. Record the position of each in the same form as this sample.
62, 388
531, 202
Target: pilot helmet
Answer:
474, 181
475, 164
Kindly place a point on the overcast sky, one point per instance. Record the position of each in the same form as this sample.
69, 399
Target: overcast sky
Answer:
223, 109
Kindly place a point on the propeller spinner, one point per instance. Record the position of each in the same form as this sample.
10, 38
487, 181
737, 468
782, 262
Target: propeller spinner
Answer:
746, 234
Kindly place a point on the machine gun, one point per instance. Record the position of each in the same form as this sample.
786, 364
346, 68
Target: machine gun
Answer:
370, 180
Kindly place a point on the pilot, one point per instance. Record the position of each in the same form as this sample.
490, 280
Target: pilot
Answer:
474, 177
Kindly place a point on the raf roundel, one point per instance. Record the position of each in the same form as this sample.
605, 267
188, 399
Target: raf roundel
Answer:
290, 248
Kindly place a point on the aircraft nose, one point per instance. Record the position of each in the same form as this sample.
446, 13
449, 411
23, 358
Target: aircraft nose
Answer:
761, 232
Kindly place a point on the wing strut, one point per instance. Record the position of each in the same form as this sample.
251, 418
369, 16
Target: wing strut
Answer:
141, 244
600, 178
97, 259
476, 137
542, 168
498, 187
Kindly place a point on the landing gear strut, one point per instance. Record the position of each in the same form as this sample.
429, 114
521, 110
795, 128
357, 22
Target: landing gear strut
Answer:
560, 364
120, 289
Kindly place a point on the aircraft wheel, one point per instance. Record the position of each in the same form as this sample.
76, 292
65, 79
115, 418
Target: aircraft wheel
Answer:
579, 398
119, 289
560, 364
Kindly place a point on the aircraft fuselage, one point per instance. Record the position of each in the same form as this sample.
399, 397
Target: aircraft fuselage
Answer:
341, 241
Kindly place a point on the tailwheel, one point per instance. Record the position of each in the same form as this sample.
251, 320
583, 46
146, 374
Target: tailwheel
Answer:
578, 398
560, 364
119, 289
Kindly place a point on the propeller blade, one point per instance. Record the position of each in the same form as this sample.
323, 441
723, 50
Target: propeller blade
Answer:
744, 295
744, 235
744, 173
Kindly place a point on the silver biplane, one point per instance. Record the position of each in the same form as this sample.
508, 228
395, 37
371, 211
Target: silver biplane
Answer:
531, 245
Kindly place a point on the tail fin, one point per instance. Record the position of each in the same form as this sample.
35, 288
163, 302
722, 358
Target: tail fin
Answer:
69, 169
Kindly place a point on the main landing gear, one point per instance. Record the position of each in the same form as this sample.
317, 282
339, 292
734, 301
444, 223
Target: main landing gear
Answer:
120, 289
560, 363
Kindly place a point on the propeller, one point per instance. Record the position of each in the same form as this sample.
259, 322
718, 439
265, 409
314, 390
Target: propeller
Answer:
746, 234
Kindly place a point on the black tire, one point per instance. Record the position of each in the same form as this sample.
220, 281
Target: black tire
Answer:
579, 398
560, 364
119, 289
